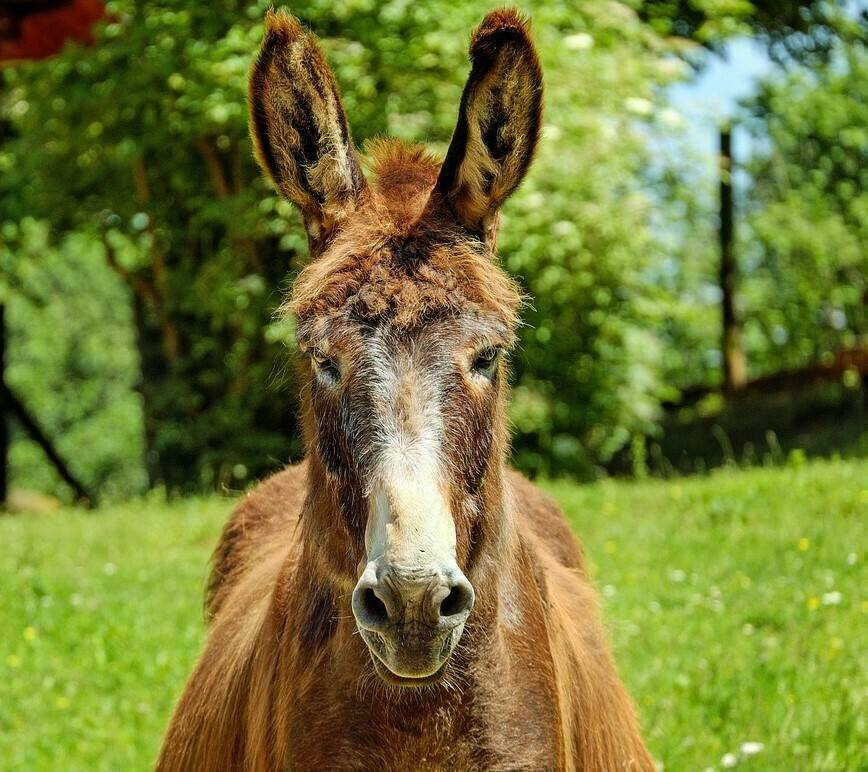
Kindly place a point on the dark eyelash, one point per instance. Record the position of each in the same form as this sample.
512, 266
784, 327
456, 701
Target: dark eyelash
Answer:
326, 365
486, 362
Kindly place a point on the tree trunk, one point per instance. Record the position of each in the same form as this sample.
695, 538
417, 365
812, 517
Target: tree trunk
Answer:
734, 363
4, 413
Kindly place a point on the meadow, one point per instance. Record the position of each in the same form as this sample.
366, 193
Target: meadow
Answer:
736, 603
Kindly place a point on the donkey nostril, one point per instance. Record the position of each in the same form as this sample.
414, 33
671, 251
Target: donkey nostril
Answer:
375, 607
459, 599
450, 604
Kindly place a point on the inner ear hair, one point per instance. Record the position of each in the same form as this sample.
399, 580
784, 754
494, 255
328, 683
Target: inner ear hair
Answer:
299, 128
498, 122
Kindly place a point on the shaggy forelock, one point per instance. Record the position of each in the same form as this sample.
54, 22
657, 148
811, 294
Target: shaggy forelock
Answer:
402, 258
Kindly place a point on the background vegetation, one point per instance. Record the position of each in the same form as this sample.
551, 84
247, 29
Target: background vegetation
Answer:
142, 255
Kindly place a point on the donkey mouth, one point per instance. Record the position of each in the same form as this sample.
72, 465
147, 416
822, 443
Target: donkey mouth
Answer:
404, 681
412, 654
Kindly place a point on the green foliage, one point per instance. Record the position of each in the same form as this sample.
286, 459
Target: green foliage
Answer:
685, 269
801, 226
803, 30
576, 235
127, 176
806, 261
71, 360
139, 146
736, 617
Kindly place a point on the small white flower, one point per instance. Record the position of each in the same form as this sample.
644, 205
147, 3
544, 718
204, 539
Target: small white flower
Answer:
752, 748
670, 117
552, 132
534, 200
831, 598
109, 569
851, 559
581, 41
608, 590
677, 575
639, 106
728, 760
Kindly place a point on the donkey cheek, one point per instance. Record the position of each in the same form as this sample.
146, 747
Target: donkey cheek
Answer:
337, 455
470, 441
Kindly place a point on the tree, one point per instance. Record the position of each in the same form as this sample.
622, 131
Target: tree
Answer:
793, 30
808, 40
808, 213
151, 167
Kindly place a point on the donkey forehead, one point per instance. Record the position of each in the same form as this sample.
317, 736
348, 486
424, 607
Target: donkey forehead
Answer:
374, 346
375, 275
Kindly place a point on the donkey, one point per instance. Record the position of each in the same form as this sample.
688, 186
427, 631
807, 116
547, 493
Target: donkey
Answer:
401, 600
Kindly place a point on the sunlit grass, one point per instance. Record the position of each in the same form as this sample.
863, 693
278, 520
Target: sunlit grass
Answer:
736, 602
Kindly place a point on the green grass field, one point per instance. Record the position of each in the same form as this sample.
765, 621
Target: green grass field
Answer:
737, 605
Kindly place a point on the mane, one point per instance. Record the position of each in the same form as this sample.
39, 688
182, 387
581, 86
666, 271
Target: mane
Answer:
400, 259
399, 166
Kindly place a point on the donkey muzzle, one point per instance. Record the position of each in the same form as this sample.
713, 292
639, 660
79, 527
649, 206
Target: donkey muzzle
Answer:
411, 619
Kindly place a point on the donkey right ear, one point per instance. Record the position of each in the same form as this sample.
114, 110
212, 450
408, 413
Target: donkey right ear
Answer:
299, 128
498, 122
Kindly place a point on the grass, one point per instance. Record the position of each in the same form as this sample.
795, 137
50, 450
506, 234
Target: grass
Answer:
736, 603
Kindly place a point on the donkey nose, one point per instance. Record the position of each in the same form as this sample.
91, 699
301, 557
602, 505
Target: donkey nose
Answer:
369, 604
442, 601
453, 600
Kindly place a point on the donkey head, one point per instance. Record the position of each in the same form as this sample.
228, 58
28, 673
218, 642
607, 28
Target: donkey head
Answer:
404, 319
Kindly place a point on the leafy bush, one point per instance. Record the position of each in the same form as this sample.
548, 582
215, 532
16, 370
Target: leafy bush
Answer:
807, 262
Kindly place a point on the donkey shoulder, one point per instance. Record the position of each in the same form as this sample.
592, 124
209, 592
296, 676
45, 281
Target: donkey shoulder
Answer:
273, 505
540, 516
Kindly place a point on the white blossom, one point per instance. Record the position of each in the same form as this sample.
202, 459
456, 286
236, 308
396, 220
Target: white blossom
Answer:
752, 748
639, 106
580, 41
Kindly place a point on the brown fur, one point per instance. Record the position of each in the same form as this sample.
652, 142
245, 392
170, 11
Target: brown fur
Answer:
299, 129
498, 121
285, 681
364, 270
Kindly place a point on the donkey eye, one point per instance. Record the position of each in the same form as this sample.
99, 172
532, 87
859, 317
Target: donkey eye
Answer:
486, 362
325, 365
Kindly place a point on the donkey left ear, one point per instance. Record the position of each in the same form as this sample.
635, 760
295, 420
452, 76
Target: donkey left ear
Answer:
498, 122
300, 130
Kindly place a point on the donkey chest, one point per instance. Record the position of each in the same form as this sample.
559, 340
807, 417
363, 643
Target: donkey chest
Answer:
511, 734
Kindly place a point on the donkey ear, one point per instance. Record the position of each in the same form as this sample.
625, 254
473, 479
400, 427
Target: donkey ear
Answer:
498, 122
299, 128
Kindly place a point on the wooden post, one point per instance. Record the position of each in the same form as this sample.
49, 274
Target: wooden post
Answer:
4, 414
734, 364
